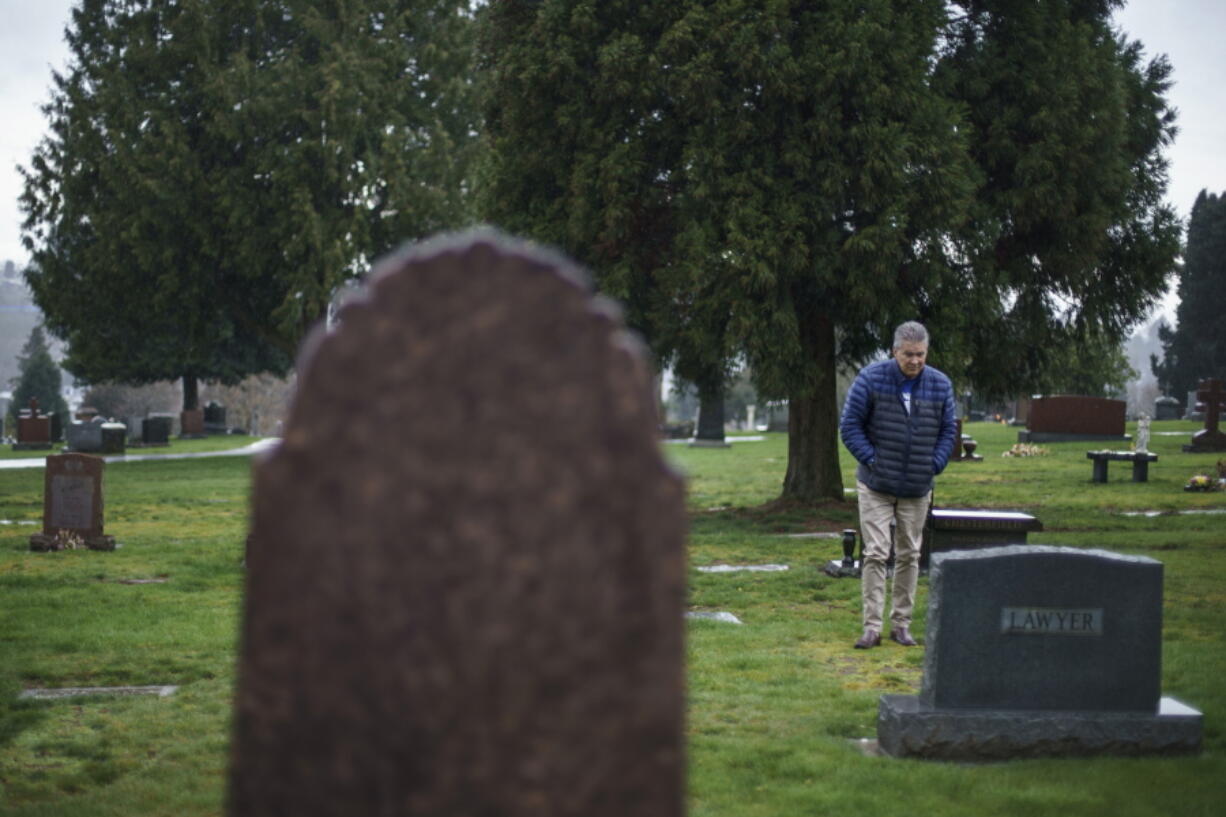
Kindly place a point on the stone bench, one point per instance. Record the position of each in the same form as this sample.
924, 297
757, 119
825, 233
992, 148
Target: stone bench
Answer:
1140, 463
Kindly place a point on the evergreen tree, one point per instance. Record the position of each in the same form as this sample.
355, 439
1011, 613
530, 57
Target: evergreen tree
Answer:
1196, 347
1069, 243
216, 168
777, 178
39, 378
789, 181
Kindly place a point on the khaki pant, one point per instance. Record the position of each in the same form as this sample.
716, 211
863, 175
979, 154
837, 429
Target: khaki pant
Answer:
877, 511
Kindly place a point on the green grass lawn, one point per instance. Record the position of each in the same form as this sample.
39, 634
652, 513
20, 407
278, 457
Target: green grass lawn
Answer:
777, 705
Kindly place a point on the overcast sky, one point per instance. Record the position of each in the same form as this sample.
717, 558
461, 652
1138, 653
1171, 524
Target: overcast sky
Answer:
1187, 31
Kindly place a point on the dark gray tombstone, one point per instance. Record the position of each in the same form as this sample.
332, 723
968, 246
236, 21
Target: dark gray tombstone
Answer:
215, 418
85, 437
114, 438
1036, 651
971, 529
479, 614
156, 429
1166, 408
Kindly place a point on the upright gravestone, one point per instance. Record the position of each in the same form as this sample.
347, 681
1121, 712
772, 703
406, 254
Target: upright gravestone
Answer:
1071, 417
1166, 408
156, 429
214, 416
481, 614
191, 423
85, 437
33, 429
72, 504
1027, 656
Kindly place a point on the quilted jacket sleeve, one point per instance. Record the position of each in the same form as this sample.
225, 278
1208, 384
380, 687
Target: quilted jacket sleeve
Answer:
945, 437
855, 420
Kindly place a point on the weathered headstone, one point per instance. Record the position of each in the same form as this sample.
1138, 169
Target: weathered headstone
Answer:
72, 504
1027, 656
479, 614
1066, 417
1213, 399
33, 429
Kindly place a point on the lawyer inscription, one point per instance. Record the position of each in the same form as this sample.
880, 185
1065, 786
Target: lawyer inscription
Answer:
1051, 621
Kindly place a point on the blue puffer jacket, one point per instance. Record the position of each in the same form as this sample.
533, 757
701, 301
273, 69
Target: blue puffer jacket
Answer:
899, 453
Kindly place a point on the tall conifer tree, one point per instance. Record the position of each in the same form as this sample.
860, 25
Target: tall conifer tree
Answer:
1196, 348
216, 168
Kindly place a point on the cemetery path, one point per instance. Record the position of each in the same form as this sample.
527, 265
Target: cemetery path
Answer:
248, 450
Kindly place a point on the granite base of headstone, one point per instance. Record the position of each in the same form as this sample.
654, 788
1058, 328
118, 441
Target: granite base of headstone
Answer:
480, 614
72, 505
1027, 657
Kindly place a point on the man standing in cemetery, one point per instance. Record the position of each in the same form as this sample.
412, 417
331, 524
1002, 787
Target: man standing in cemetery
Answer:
899, 424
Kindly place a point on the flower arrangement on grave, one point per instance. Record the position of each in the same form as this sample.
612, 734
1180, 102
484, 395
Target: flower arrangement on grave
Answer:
1026, 450
67, 540
1203, 482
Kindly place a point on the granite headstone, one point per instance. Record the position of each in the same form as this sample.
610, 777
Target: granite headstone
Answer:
1071, 417
1026, 657
33, 429
85, 437
72, 504
480, 614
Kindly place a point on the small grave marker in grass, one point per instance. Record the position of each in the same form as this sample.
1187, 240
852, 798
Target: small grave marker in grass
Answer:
162, 691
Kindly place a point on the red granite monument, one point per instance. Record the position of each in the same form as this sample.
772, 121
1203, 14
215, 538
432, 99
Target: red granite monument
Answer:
1070, 417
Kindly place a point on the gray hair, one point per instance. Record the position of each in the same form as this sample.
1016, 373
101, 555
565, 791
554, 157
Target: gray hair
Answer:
910, 332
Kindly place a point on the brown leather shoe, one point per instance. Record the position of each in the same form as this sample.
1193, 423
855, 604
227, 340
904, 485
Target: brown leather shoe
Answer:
903, 637
871, 638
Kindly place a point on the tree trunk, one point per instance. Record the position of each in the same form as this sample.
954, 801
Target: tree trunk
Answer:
711, 412
813, 473
191, 392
